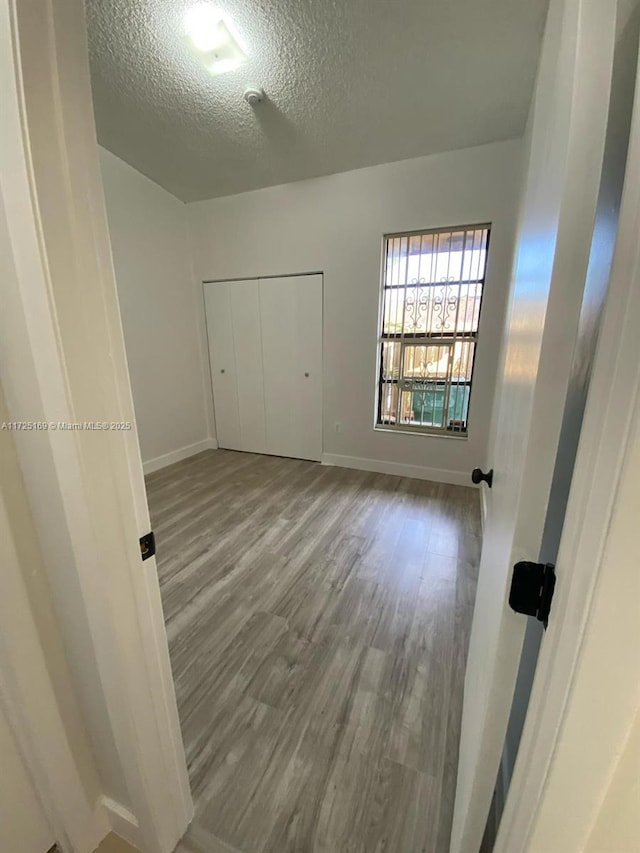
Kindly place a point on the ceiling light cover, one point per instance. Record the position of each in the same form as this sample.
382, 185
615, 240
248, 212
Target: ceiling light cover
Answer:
213, 37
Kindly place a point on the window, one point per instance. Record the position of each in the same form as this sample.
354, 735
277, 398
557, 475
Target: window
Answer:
431, 297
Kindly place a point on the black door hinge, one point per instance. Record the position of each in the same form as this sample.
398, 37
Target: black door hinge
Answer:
532, 586
148, 545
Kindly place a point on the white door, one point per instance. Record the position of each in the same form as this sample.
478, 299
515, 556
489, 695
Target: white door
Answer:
222, 361
566, 137
291, 316
235, 351
247, 340
23, 826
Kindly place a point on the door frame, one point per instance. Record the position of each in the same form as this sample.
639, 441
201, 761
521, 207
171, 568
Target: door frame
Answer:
611, 417
28, 700
62, 358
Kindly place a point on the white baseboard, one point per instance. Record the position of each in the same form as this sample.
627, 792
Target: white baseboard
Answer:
178, 455
122, 822
418, 472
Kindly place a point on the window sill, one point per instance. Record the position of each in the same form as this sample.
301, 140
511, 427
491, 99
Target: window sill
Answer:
422, 432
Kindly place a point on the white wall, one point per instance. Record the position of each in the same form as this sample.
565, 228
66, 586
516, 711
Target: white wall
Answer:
154, 278
617, 826
335, 225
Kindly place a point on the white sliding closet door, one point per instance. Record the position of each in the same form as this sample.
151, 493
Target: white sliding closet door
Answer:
222, 361
235, 352
291, 318
247, 341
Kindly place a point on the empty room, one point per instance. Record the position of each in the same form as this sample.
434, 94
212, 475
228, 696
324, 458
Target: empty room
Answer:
348, 327
313, 332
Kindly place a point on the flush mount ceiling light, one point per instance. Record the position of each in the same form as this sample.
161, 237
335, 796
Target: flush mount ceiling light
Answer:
213, 37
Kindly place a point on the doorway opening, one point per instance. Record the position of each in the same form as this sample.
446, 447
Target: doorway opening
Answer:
353, 572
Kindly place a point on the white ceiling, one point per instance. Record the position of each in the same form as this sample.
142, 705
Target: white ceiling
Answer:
350, 83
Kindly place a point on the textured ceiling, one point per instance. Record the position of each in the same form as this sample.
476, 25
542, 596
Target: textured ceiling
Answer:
349, 83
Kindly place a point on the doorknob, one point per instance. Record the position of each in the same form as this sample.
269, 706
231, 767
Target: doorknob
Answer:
222, 371
307, 375
478, 476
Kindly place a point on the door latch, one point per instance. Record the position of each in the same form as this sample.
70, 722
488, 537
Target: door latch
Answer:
532, 586
148, 545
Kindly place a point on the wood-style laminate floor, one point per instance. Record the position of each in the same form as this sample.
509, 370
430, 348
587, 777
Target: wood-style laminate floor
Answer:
318, 622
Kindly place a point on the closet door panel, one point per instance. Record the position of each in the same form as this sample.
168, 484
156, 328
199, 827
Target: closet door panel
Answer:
247, 341
308, 345
223, 364
291, 315
279, 316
